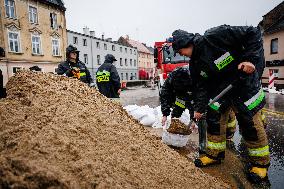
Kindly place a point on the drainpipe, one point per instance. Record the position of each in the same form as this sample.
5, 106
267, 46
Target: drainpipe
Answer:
92, 57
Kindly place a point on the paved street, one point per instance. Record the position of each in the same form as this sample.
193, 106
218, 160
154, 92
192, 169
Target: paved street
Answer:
140, 96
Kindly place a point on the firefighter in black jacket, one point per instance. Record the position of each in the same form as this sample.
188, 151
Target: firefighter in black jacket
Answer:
217, 59
73, 67
108, 80
176, 93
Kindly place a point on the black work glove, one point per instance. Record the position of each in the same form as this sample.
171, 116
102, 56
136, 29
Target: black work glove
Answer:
69, 73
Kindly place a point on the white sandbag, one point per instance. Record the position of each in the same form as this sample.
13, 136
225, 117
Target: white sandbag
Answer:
158, 115
174, 139
171, 139
158, 111
131, 108
158, 122
148, 120
138, 114
185, 117
147, 109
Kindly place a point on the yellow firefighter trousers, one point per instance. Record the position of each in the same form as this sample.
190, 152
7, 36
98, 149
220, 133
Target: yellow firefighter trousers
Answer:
253, 133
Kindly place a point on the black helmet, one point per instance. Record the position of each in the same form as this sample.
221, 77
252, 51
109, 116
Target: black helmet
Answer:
181, 39
182, 80
35, 68
71, 49
110, 58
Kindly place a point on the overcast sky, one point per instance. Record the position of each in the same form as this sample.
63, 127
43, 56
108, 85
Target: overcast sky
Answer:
154, 20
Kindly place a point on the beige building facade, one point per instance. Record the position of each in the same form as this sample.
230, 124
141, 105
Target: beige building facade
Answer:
273, 43
32, 33
146, 65
274, 60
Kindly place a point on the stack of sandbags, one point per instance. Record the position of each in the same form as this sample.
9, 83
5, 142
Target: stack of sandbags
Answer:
153, 116
144, 114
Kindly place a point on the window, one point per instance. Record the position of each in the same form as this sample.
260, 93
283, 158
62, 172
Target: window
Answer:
85, 58
105, 46
130, 62
53, 20
134, 52
126, 75
125, 50
84, 42
55, 47
120, 61
134, 63
36, 44
120, 49
135, 74
99, 59
130, 51
131, 76
121, 76
125, 62
75, 40
14, 41
16, 69
33, 14
10, 8
98, 45
274, 46
113, 47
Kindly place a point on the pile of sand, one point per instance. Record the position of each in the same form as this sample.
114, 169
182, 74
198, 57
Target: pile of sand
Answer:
56, 132
177, 127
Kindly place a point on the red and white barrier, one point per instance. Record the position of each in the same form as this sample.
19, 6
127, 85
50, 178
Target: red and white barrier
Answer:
272, 77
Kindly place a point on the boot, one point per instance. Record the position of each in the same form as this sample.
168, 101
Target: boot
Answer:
258, 176
205, 161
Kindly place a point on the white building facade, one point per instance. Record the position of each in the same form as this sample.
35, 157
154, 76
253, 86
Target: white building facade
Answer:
93, 51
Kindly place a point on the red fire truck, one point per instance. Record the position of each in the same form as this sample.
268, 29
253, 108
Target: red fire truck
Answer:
167, 60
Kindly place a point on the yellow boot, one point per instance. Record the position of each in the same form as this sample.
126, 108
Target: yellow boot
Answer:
205, 161
258, 175
261, 172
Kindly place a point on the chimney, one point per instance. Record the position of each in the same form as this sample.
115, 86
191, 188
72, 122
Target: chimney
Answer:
127, 37
92, 33
103, 36
86, 30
